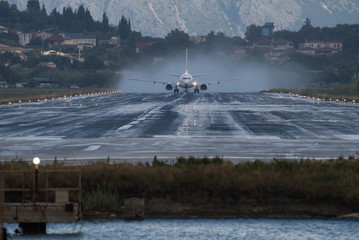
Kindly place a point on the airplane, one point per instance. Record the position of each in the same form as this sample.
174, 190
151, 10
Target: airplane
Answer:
186, 81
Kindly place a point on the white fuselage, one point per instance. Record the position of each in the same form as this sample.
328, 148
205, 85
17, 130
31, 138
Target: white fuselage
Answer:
186, 81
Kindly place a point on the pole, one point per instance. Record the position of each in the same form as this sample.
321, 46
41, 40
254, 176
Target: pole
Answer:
36, 182
3, 235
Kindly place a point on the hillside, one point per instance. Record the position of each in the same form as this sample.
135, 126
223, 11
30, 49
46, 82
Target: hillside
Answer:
158, 17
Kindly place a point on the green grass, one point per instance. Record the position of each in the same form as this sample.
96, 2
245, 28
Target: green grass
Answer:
345, 92
31, 94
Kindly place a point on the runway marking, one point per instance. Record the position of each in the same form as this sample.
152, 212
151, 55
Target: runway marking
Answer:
92, 148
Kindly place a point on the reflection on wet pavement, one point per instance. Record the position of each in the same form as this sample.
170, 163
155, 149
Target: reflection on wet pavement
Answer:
140, 126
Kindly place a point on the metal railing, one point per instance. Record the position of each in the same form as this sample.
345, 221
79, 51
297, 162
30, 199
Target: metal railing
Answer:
32, 186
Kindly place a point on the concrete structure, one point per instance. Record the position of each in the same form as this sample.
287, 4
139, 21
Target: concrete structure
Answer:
24, 38
33, 214
134, 207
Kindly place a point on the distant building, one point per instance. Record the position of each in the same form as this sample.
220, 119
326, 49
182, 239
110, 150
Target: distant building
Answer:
42, 35
317, 47
55, 40
273, 44
114, 41
43, 83
275, 50
268, 29
197, 39
240, 52
123, 43
80, 40
3, 85
306, 51
141, 46
4, 30
24, 38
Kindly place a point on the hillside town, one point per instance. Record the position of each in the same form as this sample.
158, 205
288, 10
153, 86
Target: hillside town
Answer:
89, 55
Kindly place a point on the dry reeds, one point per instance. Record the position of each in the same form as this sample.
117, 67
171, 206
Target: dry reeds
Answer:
312, 181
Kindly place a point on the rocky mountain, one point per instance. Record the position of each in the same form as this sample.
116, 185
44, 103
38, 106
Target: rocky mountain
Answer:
199, 17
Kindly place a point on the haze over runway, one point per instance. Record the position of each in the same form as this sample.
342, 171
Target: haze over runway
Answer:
138, 126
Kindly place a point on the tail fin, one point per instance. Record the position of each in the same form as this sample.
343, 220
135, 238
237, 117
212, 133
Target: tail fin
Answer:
186, 61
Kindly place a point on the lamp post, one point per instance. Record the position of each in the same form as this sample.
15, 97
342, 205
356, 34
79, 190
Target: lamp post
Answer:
36, 162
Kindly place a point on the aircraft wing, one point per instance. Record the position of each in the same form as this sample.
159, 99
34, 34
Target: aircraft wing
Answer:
145, 80
222, 80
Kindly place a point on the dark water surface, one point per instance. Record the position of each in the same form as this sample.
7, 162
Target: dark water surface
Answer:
200, 229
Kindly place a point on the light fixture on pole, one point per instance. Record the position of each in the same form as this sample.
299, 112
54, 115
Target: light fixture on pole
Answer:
36, 162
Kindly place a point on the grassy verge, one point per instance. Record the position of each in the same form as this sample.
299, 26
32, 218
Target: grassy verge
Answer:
346, 92
31, 94
202, 181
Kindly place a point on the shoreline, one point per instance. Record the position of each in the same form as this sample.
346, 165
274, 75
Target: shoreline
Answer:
266, 211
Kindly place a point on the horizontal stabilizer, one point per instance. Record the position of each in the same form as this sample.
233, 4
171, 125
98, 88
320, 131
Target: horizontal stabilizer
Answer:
173, 75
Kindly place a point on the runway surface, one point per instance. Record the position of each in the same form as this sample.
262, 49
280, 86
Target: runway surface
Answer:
136, 127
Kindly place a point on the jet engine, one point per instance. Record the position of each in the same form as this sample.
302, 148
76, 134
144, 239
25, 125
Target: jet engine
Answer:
203, 87
169, 87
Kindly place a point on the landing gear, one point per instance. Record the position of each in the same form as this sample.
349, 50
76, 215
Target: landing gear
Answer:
176, 90
196, 90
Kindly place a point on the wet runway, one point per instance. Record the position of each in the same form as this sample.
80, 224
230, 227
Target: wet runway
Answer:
136, 127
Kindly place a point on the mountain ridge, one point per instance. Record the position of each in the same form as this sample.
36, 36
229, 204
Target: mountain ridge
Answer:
159, 17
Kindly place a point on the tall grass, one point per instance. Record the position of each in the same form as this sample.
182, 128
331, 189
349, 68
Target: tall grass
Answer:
100, 198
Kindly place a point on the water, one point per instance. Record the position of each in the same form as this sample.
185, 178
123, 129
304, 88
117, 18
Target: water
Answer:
199, 229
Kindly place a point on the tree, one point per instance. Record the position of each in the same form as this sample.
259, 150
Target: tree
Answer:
253, 33
81, 13
35, 41
105, 25
307, 23
94, 62
177, 38
89, 22
124, 28
43, 10
8, 74
347, 69
308, 32
33, 7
